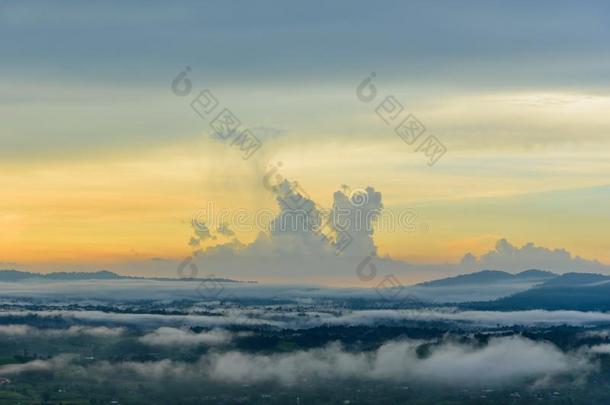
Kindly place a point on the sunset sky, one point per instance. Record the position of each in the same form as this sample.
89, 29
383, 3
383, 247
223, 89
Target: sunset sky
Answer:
102, 166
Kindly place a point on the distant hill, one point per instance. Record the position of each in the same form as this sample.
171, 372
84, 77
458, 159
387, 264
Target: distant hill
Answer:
491, 277
576, 279
16, 275
536, 274
486, 285
11, 276
570, 291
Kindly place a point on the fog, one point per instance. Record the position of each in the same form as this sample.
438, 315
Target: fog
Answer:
133, 290
166, 336
503, 360
288, 318
25, 330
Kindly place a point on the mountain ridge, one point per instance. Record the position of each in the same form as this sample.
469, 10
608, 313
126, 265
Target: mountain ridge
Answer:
11, 275
491, 277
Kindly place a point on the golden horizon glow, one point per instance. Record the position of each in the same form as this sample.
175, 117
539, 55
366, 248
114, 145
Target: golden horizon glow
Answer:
137, 203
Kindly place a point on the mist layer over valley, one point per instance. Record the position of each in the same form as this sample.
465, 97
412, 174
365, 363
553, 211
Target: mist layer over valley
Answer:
274, 343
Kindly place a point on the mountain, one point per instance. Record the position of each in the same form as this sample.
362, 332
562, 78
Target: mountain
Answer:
491, 277
12, 276
534, 274
481, 277
15, 276
486, 285
97, 275
570, 291
576, 279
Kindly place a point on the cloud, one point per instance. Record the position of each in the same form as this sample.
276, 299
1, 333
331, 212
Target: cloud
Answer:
289, 319
293, 248
56, 363
154, 370
303, 227
224, 229
329, 362
601, 334
502, 361
25, 330
15, 330
304, 239
166, 336
600, 349
99, 331
202, 232
473, 318
509, 257
225, 318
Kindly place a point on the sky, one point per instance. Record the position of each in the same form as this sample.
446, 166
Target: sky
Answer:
104, 166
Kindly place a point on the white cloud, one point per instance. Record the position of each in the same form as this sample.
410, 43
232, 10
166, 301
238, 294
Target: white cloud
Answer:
509, 257
601, 334
58, 362
15, 330
600, 349
536, 317
166, 336
167, 324
303, 239
23, 330
504, 360
100, 331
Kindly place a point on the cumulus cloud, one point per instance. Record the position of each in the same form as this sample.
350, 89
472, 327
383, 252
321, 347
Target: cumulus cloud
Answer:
166, 336
304, 239
291, 249
509, 257
201, 231
225, 230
